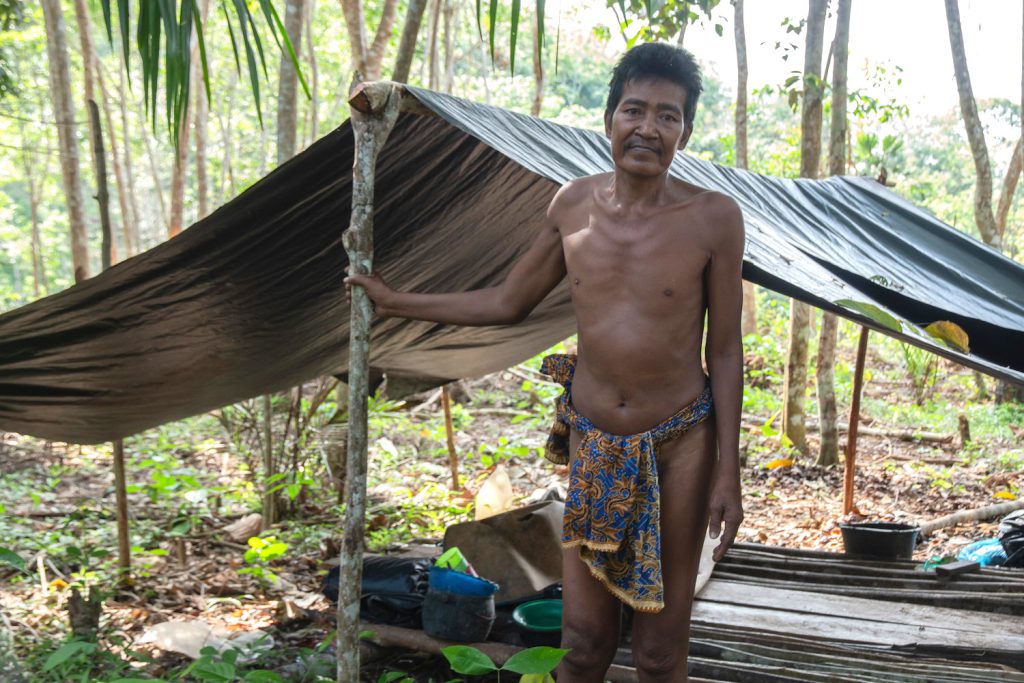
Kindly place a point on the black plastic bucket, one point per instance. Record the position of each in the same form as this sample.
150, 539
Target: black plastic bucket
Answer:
880, 540
462, 618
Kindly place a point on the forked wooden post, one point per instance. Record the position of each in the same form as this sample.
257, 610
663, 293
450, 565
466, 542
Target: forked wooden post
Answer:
851, 432
374, 108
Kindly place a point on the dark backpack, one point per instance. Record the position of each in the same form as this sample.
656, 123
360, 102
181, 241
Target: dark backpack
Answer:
1011, 536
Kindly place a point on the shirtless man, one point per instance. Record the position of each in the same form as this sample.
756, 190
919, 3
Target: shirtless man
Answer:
647, 256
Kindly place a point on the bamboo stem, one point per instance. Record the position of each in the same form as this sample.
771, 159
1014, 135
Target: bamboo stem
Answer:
851, 432
371, 128
453, 458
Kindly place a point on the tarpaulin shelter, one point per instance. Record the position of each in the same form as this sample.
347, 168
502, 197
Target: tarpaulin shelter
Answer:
250, 299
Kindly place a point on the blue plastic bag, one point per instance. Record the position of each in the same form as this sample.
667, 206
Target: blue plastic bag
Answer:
987, 553
451, 581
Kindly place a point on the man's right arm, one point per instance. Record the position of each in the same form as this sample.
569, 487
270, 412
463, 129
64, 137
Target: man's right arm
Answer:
535, 274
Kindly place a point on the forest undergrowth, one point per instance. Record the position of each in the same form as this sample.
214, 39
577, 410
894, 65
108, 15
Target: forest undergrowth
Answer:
191, 479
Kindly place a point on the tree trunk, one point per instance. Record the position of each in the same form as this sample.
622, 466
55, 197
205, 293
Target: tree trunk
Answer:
433, 28
407, 46
984, 218
38, 267
202, 179
538, 69
795, 382
748, 320
89, 79
288, 83
64, 117
367, 57
1013, 172
115, 161
828, 452
133, 204
181, 151
157, 183
314, 82
448, 79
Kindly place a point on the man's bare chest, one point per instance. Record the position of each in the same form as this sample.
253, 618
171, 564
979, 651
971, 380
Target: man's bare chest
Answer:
658, 258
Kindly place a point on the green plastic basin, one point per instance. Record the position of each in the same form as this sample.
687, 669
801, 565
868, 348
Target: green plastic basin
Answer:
539, 615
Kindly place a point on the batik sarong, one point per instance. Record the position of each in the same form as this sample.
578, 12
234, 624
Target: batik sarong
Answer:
612, 510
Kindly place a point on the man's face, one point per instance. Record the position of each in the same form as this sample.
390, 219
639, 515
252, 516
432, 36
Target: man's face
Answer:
646, 127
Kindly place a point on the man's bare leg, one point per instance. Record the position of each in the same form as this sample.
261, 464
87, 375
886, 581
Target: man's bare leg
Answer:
590, 617
661, 640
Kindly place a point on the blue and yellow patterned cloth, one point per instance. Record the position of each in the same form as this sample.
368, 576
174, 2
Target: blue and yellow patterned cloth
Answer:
612, 512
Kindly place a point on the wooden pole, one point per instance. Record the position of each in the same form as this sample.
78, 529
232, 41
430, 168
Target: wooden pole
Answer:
124, 546
124, 551
371, 127
851, 432
269, 509
453, 458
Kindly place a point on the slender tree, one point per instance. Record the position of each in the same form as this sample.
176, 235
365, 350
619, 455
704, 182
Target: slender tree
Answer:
64, 117
367, 56
314, 76
795, 382
133, 203
538, 66
828, 452
448, 79
748, 321
407, 46
288, 83
989, 226
984, 218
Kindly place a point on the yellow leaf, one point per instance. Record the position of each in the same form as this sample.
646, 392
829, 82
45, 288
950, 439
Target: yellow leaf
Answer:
950, 333
58, 584
779, 462
1005, 495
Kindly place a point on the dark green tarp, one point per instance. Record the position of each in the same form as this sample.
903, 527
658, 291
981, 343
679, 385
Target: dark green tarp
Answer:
250, 300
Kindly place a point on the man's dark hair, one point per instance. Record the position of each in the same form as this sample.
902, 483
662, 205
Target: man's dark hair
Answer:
657, 60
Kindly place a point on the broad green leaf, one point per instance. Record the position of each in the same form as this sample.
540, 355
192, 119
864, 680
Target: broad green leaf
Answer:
211, 671
468, 660
12, 558
262, 676
873, 312
535, 660
66, 652
391, 676
952, 334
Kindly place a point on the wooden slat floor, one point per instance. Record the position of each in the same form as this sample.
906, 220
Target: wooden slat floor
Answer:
776, 614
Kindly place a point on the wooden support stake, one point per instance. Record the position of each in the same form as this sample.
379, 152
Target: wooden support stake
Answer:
124, 546
372, 121
268, 507
453, 459
851, 432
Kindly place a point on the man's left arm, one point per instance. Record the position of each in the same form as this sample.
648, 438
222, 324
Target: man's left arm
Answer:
724, 356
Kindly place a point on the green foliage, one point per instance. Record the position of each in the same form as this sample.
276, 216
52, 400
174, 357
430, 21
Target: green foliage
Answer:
922, 369
166, 22
534, 664
643, 21
261, 553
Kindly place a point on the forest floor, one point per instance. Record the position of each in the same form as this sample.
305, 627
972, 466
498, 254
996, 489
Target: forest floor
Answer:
187, 483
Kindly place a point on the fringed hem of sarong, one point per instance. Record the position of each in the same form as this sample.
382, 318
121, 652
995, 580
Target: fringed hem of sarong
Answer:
556, 457
606, 547
649, 606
